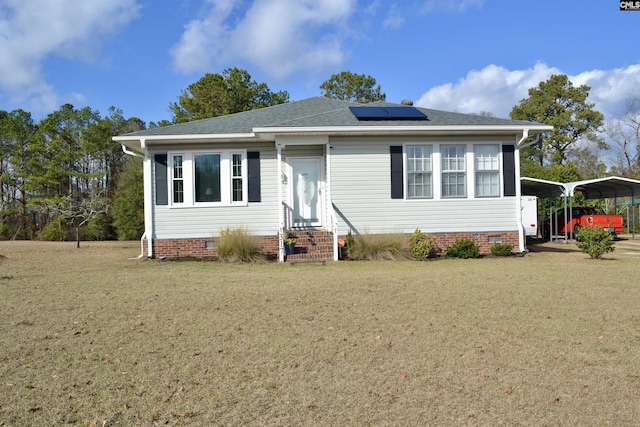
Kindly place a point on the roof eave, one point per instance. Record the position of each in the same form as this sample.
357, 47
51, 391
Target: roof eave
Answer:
190, 137
139, 142
271, 132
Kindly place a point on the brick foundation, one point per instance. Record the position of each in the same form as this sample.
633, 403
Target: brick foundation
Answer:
482, 239
311, 245
204, 249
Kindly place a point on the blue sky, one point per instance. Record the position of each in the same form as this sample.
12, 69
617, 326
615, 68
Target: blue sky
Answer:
466, 55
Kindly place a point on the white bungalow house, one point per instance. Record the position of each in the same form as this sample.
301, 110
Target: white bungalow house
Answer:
321, 168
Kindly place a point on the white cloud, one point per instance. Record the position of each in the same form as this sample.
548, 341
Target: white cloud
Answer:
493, 89
496, 89
451, 6
394, 19
610, 89
279, 36
33, 30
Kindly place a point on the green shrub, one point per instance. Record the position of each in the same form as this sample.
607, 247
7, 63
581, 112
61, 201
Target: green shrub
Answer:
351, 245
99, 227
378, 246
595, 241
463, 248
6, 231
501, 249
56, 230
421, 245
239, 245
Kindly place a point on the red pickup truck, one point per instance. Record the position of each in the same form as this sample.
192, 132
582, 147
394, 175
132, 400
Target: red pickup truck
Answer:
581, 217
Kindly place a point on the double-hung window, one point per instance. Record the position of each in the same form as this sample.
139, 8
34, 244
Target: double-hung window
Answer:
237, 178
419, 172
487, 170
177, 179
454, 172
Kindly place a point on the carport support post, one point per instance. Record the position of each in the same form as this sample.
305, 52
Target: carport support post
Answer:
570, 217
633, 213
553, 222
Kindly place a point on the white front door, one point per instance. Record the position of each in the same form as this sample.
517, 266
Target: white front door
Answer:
305, 193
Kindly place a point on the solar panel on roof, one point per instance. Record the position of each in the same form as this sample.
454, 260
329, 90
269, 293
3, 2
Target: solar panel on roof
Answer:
405, 113
369, 113
387, 113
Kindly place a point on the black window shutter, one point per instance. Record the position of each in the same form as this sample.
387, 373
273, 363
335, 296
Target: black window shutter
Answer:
162, 193
397, 173
253, 172
509, 172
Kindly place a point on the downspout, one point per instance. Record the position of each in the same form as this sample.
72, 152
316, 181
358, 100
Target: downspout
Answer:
148, 197
280, 207
329, 203
521, 232
125, 150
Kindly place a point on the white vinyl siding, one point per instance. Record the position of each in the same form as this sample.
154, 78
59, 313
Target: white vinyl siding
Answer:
361, 189
206, 220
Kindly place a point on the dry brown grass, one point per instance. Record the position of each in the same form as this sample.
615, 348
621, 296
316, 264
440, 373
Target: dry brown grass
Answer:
89, 337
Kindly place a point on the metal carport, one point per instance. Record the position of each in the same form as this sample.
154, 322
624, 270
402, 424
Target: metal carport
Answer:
541, 188
611, 187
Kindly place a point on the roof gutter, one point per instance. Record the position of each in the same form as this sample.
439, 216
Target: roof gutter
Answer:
265, 133
525, 136
125, 150
171, 138
417, 130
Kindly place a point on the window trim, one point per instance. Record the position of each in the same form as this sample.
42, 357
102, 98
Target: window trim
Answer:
400, 170
226, 178
496, 171
195, 177
173, 179
407, 172
464, 172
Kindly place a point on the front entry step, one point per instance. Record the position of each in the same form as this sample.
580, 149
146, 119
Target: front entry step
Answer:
311, 246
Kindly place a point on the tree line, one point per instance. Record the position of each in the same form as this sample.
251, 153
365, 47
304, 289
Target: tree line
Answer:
63, 177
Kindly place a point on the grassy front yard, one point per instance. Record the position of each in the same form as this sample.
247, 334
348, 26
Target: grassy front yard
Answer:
90, 337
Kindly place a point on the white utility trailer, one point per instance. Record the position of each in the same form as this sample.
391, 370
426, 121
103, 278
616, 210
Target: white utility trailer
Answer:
529, 205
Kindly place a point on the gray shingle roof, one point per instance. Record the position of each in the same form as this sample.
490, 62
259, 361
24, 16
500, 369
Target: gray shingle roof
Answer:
316, 112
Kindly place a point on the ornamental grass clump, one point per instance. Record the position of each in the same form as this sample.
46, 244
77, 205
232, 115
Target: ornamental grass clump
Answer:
239, 245
378, 247
422, 245
595, 241
463, 248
